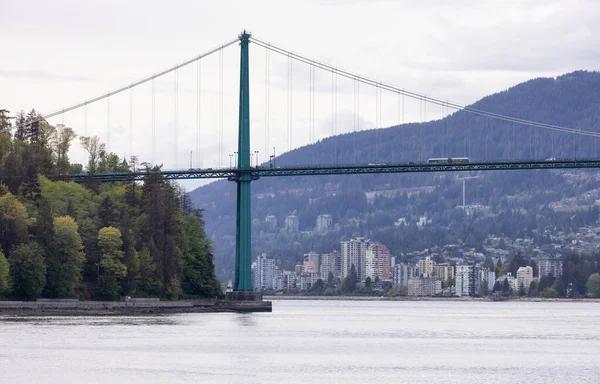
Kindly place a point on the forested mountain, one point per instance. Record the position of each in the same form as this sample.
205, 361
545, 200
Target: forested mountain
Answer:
101, 241
519, 202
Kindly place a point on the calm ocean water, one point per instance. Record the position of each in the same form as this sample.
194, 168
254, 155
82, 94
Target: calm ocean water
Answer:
314, 342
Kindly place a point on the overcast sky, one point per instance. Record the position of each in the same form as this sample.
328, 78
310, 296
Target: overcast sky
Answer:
57, 53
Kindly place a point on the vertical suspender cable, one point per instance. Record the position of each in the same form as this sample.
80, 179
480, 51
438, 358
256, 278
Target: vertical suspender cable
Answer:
153, 120
335, 122
130, 122
198, 110
332, 108
420, 128
85, 120
357, 114
377, 126
465, 133
267, 96
220, 107
175, 113
287, 136
108, 124
487, 125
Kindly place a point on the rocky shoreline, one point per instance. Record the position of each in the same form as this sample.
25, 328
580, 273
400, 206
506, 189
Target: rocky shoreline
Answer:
143, 307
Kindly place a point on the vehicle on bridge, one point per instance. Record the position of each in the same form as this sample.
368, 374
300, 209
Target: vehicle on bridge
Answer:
448, 160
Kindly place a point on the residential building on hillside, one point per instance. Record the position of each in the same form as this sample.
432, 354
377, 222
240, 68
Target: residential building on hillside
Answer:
377, 262
324, 223
444, 271
263, 273
524, 277
549, 266
271, 222
354, 252
425, 267
424, 286
292, 223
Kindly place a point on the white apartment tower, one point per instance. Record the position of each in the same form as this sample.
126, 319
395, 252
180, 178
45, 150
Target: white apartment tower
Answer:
354, 252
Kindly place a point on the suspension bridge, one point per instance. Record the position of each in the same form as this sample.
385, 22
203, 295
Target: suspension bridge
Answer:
473, 150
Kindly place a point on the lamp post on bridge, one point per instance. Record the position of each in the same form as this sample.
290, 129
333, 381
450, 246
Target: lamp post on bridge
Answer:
256, 153
230, 160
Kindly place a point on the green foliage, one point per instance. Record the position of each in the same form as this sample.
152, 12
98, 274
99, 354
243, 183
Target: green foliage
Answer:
5, 286
318, 287
549, 292
13, 222
349, 283
27, 270
198, 267
64, 258
593, 285
112, 268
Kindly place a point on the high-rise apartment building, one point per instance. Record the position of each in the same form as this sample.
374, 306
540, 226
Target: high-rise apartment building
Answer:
425, 267
443, 271
330, 262
324, 222
271, 222
354, 252
524, 277
377, 262
313, 257
466, 279
292, 223
263, 273
402, 272
424, 286
548, 267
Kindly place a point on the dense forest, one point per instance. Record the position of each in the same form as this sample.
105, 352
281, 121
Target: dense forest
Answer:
518, 201
97, 241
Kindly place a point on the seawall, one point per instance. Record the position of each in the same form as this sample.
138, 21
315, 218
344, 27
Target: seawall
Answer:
133, 307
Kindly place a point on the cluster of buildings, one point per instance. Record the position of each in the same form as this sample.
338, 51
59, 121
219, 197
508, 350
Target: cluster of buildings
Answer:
372, 260
292, 223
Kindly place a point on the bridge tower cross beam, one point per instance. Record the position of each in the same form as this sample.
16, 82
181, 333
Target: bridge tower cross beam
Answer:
243, 243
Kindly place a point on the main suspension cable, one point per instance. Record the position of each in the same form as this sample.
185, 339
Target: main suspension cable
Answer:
418, 96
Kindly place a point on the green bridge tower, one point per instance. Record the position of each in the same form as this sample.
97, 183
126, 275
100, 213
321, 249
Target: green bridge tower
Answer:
243, 256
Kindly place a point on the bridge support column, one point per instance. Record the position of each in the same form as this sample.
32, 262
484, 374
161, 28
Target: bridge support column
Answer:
243, 242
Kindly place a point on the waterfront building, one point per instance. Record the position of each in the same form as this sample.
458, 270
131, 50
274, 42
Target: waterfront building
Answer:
354, 252
466, 282
487, 278
549, 266
402, 272
314, 258
524, 277
307, 280
512, 281
377, 262
263, 273
271, 222
330, 262
324, 223
424, 286
292, 223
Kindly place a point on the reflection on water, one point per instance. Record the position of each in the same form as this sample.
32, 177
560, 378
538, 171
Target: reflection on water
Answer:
313, 342
245, 319
91, 321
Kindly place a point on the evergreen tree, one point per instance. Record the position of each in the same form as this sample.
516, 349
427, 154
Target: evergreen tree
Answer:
349, 283
5, 286
64, 259
112, 269
27, 270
